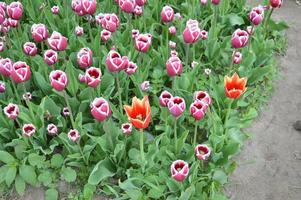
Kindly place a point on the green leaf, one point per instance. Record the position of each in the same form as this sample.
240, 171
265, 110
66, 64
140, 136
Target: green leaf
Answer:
20, 185
6, 157
28, 173
103, 169
89, 191
36, 160
3, 172
72, 77
135, 194
68, 174
51, 194
45, 178
56, 161
10, 176
52, 107
234, 19
220, 176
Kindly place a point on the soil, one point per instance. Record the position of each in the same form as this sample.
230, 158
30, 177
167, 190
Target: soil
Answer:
270, 162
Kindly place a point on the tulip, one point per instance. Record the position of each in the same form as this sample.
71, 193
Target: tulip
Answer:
139, 114
138, 11
143, 42
58, 80
256, 15
235, 86
174, 66
178, 16
100, 109
2, 46
172, 45
3, 5
50, 57
85, 58
20, 72
131, 69
57, 42
127, 128
73, 135
203, 2
239, 39
204, 35
192, 32
15, 10
28, 130
135, 33
2, 15
82, 78
194, 64
89, 6
202, 96
236, 57
275, 3
55, 10
77, 7
93, 77
5, 66
13, 22
172, 30
198, 109
30, 49
27, 96
179, 170
115, 62
79, 31
202, 152
167, 14
207, 71
52, 129
165, 98
66, 112
105, 35
141, 2
11, 111
39, 32
145, 86
173, 53
250, 30
215, 2
176, 106
108, 21
127, 6
2, 87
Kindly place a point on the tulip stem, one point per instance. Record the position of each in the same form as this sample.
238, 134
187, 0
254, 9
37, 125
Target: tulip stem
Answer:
250, 39
123, 155
119, 92
69, 108
227, 116
176, 136
266, 23
142, 149
16, 91
27, 102
195, 133
187, 55
82, 153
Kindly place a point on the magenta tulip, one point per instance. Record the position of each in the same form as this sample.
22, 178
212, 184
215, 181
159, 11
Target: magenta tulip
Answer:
202, 152
192, 32
127, 128
236, 57
15, 10
174, 66
204, 35
127, 6
179, 170
52, 129
275, 3
202, 96
176, 106
73, 135
93, 77
55, 10
115, 62
39, 32
11, 111
85, 58
57, 42
100, 109
30, 49
131, 69
105, 35
215, 2
89, 6
172, 30
28, 130
2, 15
6, 66
141, 2
198, 109
50, 57
2, 87
167, 14
165, 98
20, 72
239, 39
58, 80
256, 15
27, 96
143, 42
145, 86
79, 31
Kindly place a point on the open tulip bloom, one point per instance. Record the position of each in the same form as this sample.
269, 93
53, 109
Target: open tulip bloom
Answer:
179, 170
235, 86
202, 152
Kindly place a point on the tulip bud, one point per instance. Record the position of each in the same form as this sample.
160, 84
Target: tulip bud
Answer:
204, 35
179, 170
236, 57
145, 86
176, 106
50, 57
85, 58
77, 7
2, 87
39, 32
127, 6
30, 49
203, 2
202, 152
174, 66
5, 66
276, 3
135, 33
131, 69
108, 21
173, 53
93, 77
11, 111
55, 10
28, 130
165, 98
27, 96
13, 22
172, 45
65, 112
89, 6
57, 42
192, 32
58, 80
20, 72
105, 35
250, 30
15, 10
256, 15
115, 62
3, 5
52, 129
2, 46
215, 2
82, 78
207, 71
172, 30
73, 135
138, 11
79, 31
178, 16
198, 109
127, 129
141, 2
4, 29
100, 109
194, 64
2, 15
143, 42
167, 14
239, 39
202, 96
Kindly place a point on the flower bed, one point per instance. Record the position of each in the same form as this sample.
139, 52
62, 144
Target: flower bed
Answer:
131, 99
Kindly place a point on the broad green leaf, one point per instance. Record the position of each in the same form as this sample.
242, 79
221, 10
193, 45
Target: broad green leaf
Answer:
28, 173
6, 157
103, 169
36, 160
51, 194
56, 161
10, 175
68, 174
220, 176
20, 185
45, 178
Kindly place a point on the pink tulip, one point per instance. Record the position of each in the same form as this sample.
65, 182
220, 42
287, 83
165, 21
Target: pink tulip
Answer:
79, 31
2, 15
215, 2
15, 10
115, 62
165, 98
65, 112
202, 152
127, 129
179, 170
3, 5
178, 16
58, 80
100, 109
73, 135
192, 32
4, 29
27, 96
138, 11
173, 53
2, 46
172, 30
194, 64
176, 106
105, 35
276, 3
77, 7
13, 22
5, 66
127, 6
236, 57
28, 130
55, 10
20, 72
85, 58
30, 49
82, 78
203, 2
167, 14
172, 45
131, 69
57, 42
198, 109
135, 33
39, 32
52, 129
204, 35
93, 77
143, 42
50, 57
11, 111
174, 66
2, 87
141, 2
239, 39
108, 21
256, 15
202, 96
250, 30
145, 86
89, 6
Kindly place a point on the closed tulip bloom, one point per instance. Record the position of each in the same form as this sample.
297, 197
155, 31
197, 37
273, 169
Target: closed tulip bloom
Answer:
93, 77
2, 46
57, 42
105, 35
203, 2
236, 57
115, 62
204, 35
165, 98
100, 109
73, 135
179, 170
138, 11
85, 58
27, 96
198, 109
215, 2
192, 32
239, 39
194, 64
172, 45
135, 33
2, 15
50, 57
28, 130
173, 53
143, 42
2, 87
55, 10
15, 10
13, 22
172, 30
4, 29
127, 128
202, 152
235, 86
39, 32
256, 15
174, 66
52, 129
20, 72
89, 6
178, 16
65, 112
58, 80
30, 49
141, 2
167, 14
176, 106
11, 111
202, 96
250, 30
77, 7
109, 21
82, 78
5, 66
139, 114
276, 3
131, 69
145, 86
127, 6
3, 5
79, 31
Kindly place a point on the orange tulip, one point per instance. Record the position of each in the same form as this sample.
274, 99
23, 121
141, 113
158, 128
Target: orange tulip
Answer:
235, 86
139, 113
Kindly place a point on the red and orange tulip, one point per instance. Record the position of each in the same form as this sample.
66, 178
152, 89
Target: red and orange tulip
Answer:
139, 113
235, 86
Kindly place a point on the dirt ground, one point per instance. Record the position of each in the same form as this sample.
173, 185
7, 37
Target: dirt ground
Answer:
270, 163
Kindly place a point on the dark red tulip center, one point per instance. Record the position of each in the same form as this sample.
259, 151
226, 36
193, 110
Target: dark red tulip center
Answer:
126, 126
94, 73
203, 150
201, 96
177, 101
11, 110
28, 129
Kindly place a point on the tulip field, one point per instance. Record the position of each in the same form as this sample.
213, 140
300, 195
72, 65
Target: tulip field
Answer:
131, 99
